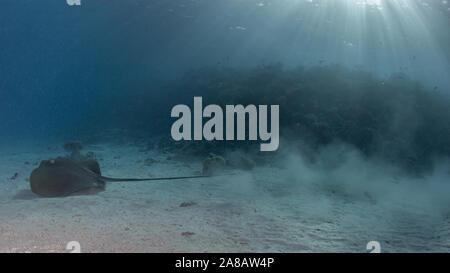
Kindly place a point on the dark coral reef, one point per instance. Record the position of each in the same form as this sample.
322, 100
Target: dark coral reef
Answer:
395, 118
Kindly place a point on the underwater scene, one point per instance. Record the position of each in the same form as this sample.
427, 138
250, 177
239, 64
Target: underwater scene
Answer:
225, 126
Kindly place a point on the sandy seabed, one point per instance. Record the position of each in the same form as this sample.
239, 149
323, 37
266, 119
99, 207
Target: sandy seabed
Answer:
257, 211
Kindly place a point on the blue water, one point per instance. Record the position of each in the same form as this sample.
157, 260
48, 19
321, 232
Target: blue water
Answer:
69, 68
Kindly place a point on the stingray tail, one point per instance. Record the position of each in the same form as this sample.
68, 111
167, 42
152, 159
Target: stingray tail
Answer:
109, 179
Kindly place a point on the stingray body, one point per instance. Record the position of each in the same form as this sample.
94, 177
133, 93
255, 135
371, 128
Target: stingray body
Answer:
63, 176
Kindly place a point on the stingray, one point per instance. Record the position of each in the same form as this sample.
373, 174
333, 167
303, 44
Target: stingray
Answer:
64, 176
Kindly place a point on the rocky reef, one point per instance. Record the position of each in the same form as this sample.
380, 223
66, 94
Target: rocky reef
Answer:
394, 118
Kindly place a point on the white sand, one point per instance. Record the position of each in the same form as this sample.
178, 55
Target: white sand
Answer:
266, 210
